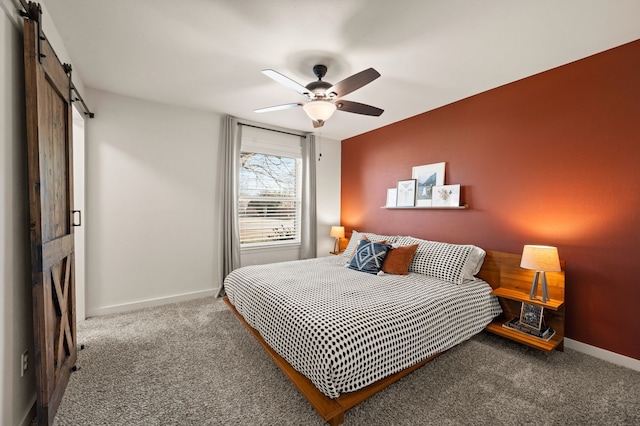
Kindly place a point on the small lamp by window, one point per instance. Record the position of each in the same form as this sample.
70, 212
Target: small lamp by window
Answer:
337, 232
540, 259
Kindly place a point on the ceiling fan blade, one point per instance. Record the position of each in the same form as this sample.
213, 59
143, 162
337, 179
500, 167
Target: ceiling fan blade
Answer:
278, 107
286, 81
354, 82
358, 108
317, 123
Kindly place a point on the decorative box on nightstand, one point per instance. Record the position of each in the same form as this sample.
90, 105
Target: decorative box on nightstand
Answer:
513, 289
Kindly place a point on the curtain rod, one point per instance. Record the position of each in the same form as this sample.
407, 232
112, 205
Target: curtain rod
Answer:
33, 11
272, 130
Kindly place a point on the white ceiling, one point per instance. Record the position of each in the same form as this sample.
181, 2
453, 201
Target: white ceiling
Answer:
207, 54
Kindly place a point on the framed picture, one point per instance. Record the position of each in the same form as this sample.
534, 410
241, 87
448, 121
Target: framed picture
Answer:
531, 316
406, 193
392, 197
446, 195
427, 176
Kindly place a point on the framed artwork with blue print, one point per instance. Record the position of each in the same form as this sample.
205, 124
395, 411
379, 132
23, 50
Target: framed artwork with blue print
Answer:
427, 176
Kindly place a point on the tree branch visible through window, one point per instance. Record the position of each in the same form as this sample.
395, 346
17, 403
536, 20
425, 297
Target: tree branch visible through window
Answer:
269, 200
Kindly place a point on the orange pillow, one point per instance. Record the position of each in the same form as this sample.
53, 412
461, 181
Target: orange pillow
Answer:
398, 260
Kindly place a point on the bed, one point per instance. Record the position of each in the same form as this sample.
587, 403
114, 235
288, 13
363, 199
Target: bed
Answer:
341, 331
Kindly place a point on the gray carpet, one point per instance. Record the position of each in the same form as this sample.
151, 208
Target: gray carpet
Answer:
193, 363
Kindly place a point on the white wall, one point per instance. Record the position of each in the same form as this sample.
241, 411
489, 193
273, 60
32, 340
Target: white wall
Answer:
153, 208
327, 191
17, 393
151, 220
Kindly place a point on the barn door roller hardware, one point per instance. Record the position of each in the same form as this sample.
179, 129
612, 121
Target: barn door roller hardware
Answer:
33, 11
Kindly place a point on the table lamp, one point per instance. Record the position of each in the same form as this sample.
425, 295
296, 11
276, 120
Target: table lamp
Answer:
540, 259
337, 232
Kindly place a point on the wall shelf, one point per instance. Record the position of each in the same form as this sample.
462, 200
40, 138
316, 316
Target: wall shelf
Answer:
545, 345
462, 207
518, 295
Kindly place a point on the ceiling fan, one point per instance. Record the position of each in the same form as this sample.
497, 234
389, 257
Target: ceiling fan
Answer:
325, 98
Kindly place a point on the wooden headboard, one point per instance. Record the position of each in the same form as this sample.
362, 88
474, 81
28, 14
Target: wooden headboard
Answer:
503, 270
512, 285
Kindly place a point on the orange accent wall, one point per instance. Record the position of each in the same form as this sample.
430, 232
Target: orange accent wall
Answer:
551, 159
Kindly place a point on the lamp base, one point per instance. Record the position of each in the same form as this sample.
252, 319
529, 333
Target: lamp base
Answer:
534, 287
336, 246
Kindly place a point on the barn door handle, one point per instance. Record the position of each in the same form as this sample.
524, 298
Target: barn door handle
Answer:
79, 223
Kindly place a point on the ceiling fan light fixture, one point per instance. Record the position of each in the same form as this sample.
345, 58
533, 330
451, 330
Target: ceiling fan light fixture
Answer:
319, 110
323, 97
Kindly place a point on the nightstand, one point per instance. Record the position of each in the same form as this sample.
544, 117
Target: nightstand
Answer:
513, 288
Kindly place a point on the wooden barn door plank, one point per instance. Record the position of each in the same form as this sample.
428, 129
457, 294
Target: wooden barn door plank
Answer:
49, 131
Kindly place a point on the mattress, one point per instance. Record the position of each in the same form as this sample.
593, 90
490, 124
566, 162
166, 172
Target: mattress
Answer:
345, 329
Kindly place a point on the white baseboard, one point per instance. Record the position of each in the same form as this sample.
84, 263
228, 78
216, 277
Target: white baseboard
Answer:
127, 307
603, 354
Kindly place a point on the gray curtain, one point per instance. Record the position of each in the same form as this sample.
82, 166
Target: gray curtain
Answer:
308, 227
231, 138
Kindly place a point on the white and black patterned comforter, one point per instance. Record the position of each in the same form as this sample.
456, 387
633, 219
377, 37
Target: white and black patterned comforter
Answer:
344, 329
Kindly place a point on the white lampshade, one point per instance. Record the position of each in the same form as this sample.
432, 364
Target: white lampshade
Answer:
337, 232
540, 258
319, 110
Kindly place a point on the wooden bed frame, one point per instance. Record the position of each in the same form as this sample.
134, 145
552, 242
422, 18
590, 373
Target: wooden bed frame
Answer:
332, 410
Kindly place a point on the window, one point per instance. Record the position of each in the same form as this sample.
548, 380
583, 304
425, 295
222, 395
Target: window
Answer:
270, 189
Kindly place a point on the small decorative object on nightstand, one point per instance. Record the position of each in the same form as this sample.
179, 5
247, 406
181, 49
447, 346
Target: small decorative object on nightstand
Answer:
531, 316
337, 232
531, 322
540, 259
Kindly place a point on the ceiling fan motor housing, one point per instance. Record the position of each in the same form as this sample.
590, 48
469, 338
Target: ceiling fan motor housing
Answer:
319, 71
319, 88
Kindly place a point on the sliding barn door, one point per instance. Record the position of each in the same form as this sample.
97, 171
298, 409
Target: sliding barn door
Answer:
49, 131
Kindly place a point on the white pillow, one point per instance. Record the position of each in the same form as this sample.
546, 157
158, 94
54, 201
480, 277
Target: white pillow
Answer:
352, 245
356, 237
376, 238
474, 263
451, 262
